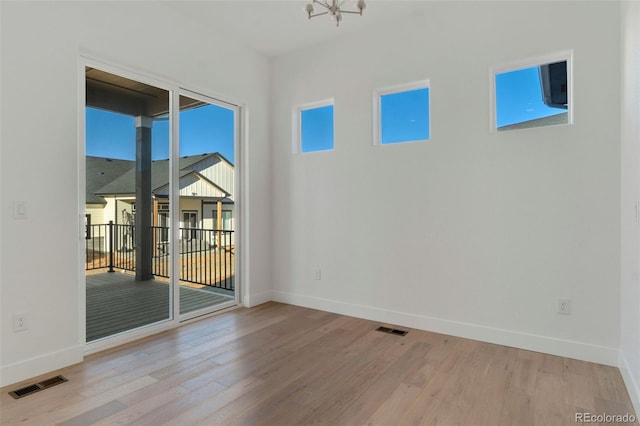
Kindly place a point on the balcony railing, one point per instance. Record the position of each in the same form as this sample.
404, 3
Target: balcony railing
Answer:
207, 256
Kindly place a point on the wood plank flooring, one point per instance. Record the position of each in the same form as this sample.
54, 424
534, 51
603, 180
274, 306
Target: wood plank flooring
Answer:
278, 364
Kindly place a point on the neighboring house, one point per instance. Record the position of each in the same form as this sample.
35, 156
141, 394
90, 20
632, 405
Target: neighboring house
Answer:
100, 172
206, 193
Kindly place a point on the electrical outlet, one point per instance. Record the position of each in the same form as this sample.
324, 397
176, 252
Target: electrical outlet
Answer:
564, 306
20, 322
317, 274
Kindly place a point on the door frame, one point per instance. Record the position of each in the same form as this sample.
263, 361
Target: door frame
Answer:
238, 141
89, 59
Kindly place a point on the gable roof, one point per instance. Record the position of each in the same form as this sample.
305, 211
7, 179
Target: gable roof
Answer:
192, 183
125, 183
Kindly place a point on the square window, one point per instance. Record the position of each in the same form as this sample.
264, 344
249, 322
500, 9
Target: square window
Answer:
403, 114
315, 127
533, 95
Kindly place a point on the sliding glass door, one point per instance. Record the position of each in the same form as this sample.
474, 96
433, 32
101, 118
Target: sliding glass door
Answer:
207, 196
126, 236
141, 253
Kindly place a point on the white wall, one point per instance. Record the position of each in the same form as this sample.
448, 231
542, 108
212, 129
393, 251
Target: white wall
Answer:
473, 233
41, 44
630, 277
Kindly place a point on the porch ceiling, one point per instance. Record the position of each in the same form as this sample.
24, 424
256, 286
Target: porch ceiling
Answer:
125, 96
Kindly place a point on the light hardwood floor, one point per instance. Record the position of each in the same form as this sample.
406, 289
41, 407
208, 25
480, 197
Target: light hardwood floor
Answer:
279, 364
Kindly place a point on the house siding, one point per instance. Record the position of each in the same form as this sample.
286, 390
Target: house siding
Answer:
218, 171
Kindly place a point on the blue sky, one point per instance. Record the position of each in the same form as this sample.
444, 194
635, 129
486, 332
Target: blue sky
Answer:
317, 129
405, 116
519, 97
206, 129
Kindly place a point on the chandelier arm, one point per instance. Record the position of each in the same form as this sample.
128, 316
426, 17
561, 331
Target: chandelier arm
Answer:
321, 3
333, 8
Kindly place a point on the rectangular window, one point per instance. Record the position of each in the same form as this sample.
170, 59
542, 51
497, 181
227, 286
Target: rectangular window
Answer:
313, 127
402, 114
533, 93
226, 219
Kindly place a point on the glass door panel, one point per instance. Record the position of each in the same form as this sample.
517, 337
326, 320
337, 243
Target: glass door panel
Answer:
207, 206
127, 204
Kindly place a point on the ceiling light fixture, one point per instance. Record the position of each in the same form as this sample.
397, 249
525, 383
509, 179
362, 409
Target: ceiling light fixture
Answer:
333, 9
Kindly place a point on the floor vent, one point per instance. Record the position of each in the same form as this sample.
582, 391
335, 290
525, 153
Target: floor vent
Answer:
392, 331
31, 389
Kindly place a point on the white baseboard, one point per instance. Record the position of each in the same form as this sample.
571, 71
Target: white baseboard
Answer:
23, 370
631, 383
549, 345
255, 299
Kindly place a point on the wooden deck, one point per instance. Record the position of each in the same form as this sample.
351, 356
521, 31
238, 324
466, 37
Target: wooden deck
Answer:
116, 302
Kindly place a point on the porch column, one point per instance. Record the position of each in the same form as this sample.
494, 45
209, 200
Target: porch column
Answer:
143, 199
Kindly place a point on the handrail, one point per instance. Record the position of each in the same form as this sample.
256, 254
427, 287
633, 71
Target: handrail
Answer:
206, 256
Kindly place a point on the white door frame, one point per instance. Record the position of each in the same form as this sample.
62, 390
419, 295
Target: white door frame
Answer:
175, 90
237, 188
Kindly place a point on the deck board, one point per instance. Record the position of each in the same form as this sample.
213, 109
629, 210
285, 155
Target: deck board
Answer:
116, 302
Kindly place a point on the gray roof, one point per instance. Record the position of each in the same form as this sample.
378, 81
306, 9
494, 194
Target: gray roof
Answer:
101, 171
125, 183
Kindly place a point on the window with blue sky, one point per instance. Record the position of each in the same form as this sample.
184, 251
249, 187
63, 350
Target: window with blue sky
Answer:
316, 128
532, 96
403, 114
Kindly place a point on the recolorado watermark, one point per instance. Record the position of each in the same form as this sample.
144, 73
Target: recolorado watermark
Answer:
604, 418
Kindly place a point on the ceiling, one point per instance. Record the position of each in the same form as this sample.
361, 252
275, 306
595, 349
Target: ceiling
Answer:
278, 27
114, 93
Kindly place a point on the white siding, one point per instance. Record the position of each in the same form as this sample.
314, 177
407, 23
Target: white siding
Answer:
97, 213
95, 243
193, 186
218, 171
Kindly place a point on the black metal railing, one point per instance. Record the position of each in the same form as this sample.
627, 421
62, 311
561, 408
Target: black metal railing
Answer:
206, 256
110, 246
